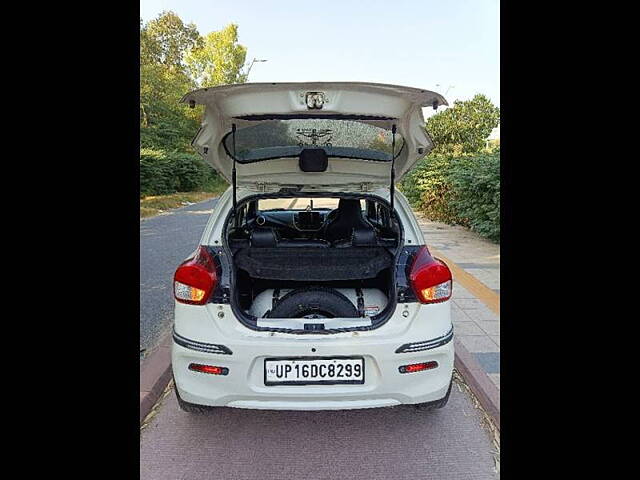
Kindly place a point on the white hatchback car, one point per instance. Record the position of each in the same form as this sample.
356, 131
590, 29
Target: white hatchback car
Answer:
312, 287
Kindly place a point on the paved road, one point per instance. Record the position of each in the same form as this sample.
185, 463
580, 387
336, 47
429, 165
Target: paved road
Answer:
383, 443
165, 241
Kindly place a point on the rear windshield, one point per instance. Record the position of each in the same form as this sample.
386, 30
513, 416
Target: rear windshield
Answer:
287, 138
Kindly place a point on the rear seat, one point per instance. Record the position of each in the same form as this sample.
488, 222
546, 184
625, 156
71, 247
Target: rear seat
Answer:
360, 237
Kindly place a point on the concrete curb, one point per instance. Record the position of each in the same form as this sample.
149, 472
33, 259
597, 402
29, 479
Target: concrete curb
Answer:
479, 382
155, 373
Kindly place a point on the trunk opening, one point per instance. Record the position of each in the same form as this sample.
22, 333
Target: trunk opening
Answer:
307, 265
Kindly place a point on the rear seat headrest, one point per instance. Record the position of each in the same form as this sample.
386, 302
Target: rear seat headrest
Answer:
364, 237
263, 237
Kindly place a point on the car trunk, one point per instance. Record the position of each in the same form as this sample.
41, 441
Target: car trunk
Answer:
361, 269
265, 276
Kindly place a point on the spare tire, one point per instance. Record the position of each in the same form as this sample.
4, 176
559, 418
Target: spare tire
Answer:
314, 302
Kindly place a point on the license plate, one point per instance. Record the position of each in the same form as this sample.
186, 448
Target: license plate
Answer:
314, 371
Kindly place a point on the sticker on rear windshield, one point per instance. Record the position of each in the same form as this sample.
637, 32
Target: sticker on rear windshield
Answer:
314, 135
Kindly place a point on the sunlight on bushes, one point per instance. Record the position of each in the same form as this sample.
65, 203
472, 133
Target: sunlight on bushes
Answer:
458, 190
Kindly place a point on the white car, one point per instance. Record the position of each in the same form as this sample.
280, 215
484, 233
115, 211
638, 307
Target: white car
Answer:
312, 287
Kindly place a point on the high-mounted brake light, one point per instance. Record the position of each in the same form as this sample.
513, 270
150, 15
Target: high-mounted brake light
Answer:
430, 278
195, 279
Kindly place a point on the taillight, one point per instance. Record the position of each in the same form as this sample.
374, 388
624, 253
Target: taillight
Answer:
430, 278
195, 279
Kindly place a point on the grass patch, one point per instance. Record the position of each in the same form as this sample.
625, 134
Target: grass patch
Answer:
153, 205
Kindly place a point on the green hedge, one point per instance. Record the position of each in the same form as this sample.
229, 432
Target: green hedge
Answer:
458, 190
163, 173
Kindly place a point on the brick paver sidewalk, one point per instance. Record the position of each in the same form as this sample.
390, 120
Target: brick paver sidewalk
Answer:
476, 325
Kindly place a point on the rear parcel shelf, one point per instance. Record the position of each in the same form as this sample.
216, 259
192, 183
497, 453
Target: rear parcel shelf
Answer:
313, 264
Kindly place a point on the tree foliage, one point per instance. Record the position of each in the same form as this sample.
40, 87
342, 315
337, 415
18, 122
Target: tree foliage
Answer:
464, 127
165, 76
165, 124
165, 41
218, 58
459, 183
170, 53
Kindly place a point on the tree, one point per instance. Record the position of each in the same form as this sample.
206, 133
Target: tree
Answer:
170, 52
464, 127
218, 59
166, 124
165, 40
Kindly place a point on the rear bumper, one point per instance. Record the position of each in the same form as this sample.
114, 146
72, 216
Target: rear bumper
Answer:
244, 386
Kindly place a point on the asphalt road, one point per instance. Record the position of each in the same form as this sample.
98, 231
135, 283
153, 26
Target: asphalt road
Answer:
165, 241
374, 444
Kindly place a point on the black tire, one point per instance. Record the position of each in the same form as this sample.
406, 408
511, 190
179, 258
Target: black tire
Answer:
191, 407
437, 403
315, 302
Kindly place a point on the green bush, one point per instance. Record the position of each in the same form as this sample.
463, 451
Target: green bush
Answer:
163, 173
155, 173
458, 190
475, 182
429, 190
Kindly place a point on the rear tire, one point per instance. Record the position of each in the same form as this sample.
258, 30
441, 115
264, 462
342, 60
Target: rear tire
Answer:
191, 407
435, 404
